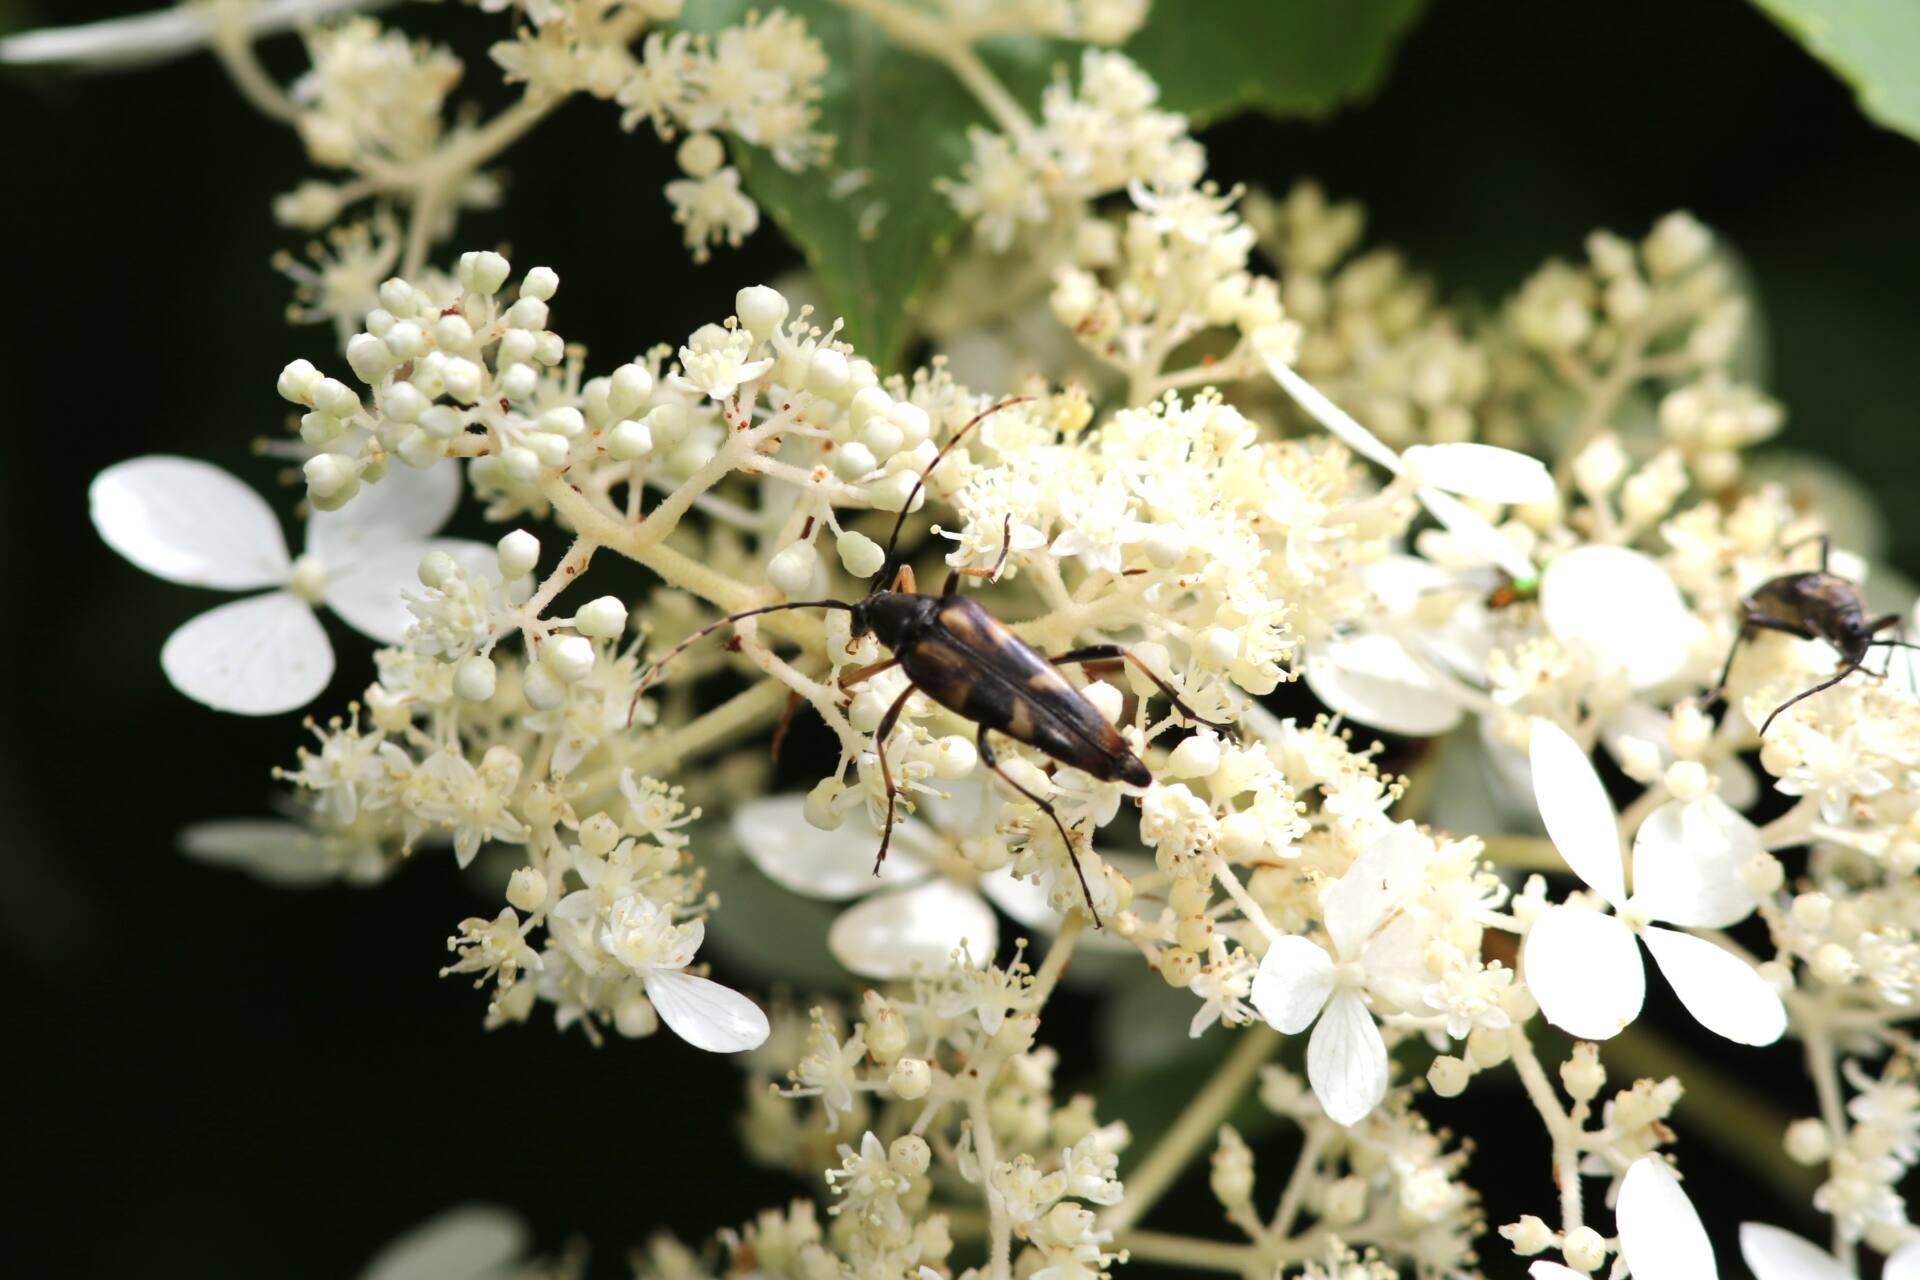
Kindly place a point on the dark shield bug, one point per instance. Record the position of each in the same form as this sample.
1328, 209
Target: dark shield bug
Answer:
1817, 605
969, 662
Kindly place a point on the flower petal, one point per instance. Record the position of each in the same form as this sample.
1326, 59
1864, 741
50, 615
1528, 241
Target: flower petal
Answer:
1904, 1264
406, 506
1473, 532
189, 522
1481, 471
1372, 679
1585, 971
367, 592
155, 37
834, 865
1544, 1270
254, 657
1347, 1060
1773, 1254
1660, 1233
705, 1014
281, 853
1719, 988
1333, 417
1622, 608
1687, 860
466, 1243
1574, 805
1292, 984
1384, 875
892, 934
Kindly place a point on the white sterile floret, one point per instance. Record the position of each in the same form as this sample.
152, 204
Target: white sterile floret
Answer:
1299, 981
1583, 965
1621, 608
1773, 1254
192, 523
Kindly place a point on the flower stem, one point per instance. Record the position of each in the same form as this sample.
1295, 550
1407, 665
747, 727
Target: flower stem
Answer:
1189, 1252
1566, 1151
1194, 1129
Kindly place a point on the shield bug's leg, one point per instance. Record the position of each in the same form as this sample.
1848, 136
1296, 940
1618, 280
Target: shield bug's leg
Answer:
1046, 806
1113, 652
867, 672
1845, 671
886, 771
991, 575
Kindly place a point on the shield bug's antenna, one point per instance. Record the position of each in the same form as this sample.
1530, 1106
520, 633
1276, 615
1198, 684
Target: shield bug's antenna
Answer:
893, 539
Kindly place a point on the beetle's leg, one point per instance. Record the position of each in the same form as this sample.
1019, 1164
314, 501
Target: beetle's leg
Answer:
886, 771
1754, 622
1826, 547
786, 723
1046, 806
1110, 652
991, 575
903, 580
1845, 671
867, 672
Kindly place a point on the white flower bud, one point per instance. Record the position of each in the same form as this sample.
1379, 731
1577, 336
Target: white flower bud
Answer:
669, 424
1447, 1076
329, 475
701, 155
1345, 1201
1583, 1249
1677, 242
1598, 467
1688, 780
629, 440
402, 402
868, 402
518, 552
436, 570
602, 619
1217, 646
761, 309
568, 657
1812, 911
867, 707
954, 756
860, 555
552, 450
519, 382
297, 382
452, 333
1528, 1236
793, 568
599, 835
910, 1154
1639, 759
1762, 875
818, 809
528, 313
442, 421
461, 377
910, 1079
1243, 835
894, 491
475, 678
405, 340
369, 358
1196, 757
1808, 1141
1106, 699
483, 273
563, 421
541, 283
1488, 1048
828, 375
527, 889
522, 464
912, 423
542, 689
1834, 965
549, 348
853, 460
1178, 967
317, 429
335, 398
630, 387
1582, 1074
633, 1015
881, 436
419, 450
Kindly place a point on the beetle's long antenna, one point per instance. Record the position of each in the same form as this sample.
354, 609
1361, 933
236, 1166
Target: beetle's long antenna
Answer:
893, 538
658, 664
1845, 671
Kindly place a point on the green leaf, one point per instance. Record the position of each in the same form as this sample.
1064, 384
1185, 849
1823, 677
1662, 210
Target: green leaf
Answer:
1874, 45
1213, 58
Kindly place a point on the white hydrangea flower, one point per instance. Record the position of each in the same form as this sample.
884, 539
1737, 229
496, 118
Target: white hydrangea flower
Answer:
471, 1242
1299, 980
191, 522
1583, 966
1661, 1237
1773, 1254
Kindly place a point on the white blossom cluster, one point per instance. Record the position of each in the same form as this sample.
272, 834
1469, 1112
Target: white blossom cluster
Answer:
1531, 536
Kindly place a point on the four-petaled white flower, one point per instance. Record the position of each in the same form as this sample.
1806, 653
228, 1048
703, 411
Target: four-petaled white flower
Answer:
1583, 966
1299, 981
1661, 1237
193, 523
910, 916
1773, 1254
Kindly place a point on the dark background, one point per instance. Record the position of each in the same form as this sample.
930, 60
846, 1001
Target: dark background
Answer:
212, 1078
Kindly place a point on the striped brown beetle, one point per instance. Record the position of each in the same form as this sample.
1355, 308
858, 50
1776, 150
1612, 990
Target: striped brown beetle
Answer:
971, 663
1819, 605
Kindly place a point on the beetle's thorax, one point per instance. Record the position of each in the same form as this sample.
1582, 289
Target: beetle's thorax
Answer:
896, 617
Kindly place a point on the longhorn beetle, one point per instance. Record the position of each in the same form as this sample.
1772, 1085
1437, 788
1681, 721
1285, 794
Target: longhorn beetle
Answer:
1813, 606
967, 660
